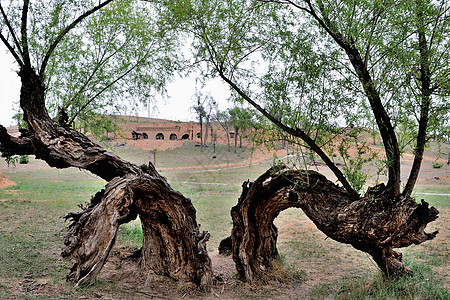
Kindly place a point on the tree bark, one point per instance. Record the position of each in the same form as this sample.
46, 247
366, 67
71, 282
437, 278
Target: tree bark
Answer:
375, 224
425, 95
173, 243
172, 246
228, 140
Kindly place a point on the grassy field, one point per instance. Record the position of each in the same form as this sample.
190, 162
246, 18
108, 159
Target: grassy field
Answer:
32, 230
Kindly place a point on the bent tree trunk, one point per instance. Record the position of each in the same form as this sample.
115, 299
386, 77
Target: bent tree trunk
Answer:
173, 244
376, 223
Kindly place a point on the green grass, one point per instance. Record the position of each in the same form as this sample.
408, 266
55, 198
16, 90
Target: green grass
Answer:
440, 199
130, 234
421, 285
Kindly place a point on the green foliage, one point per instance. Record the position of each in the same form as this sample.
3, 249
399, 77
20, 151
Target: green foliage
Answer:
11, 160
115, 56
277, 165
21, 124
354, 162
242, 118
289, 59
24, 159
101, 126
437, 165
113, 61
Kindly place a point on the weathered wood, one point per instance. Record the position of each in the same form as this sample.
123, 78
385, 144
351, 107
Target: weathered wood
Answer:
93, 232
376, 223
172, 246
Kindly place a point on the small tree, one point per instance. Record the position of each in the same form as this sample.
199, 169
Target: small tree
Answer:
241, 119
203, 108
210, 107
224, 119
199, 110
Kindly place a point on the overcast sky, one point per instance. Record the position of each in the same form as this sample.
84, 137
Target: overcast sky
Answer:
9, 87
177, 107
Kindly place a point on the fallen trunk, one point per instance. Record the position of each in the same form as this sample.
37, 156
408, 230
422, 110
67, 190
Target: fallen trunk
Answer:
376, 223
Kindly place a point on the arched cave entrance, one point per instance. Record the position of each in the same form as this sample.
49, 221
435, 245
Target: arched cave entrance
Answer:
173, 137
185, 136
160, 136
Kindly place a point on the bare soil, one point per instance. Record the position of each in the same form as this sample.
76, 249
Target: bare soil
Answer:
5, 182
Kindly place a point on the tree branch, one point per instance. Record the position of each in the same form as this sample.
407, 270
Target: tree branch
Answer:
13, 34
11, 50
25, 50
425, 79
298, 133
100, 63
101, 91
15, 146
65, 31
381, 116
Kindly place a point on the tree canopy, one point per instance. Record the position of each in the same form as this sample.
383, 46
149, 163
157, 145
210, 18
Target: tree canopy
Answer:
109, 63
315, 67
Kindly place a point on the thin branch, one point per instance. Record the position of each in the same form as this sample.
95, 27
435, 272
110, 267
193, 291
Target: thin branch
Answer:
443, 12
101, 91
11, 30
26, 52
11, 50
65, 31
212, 52
372, 30
395, 46
437, 65
102, 61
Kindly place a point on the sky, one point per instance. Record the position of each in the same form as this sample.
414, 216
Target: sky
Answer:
176, 107
9, 87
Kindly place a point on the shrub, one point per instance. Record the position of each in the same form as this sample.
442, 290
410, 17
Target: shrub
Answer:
437, 165
24, 159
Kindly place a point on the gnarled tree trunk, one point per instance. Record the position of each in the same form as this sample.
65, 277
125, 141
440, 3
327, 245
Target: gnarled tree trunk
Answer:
173, 244
376, 223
